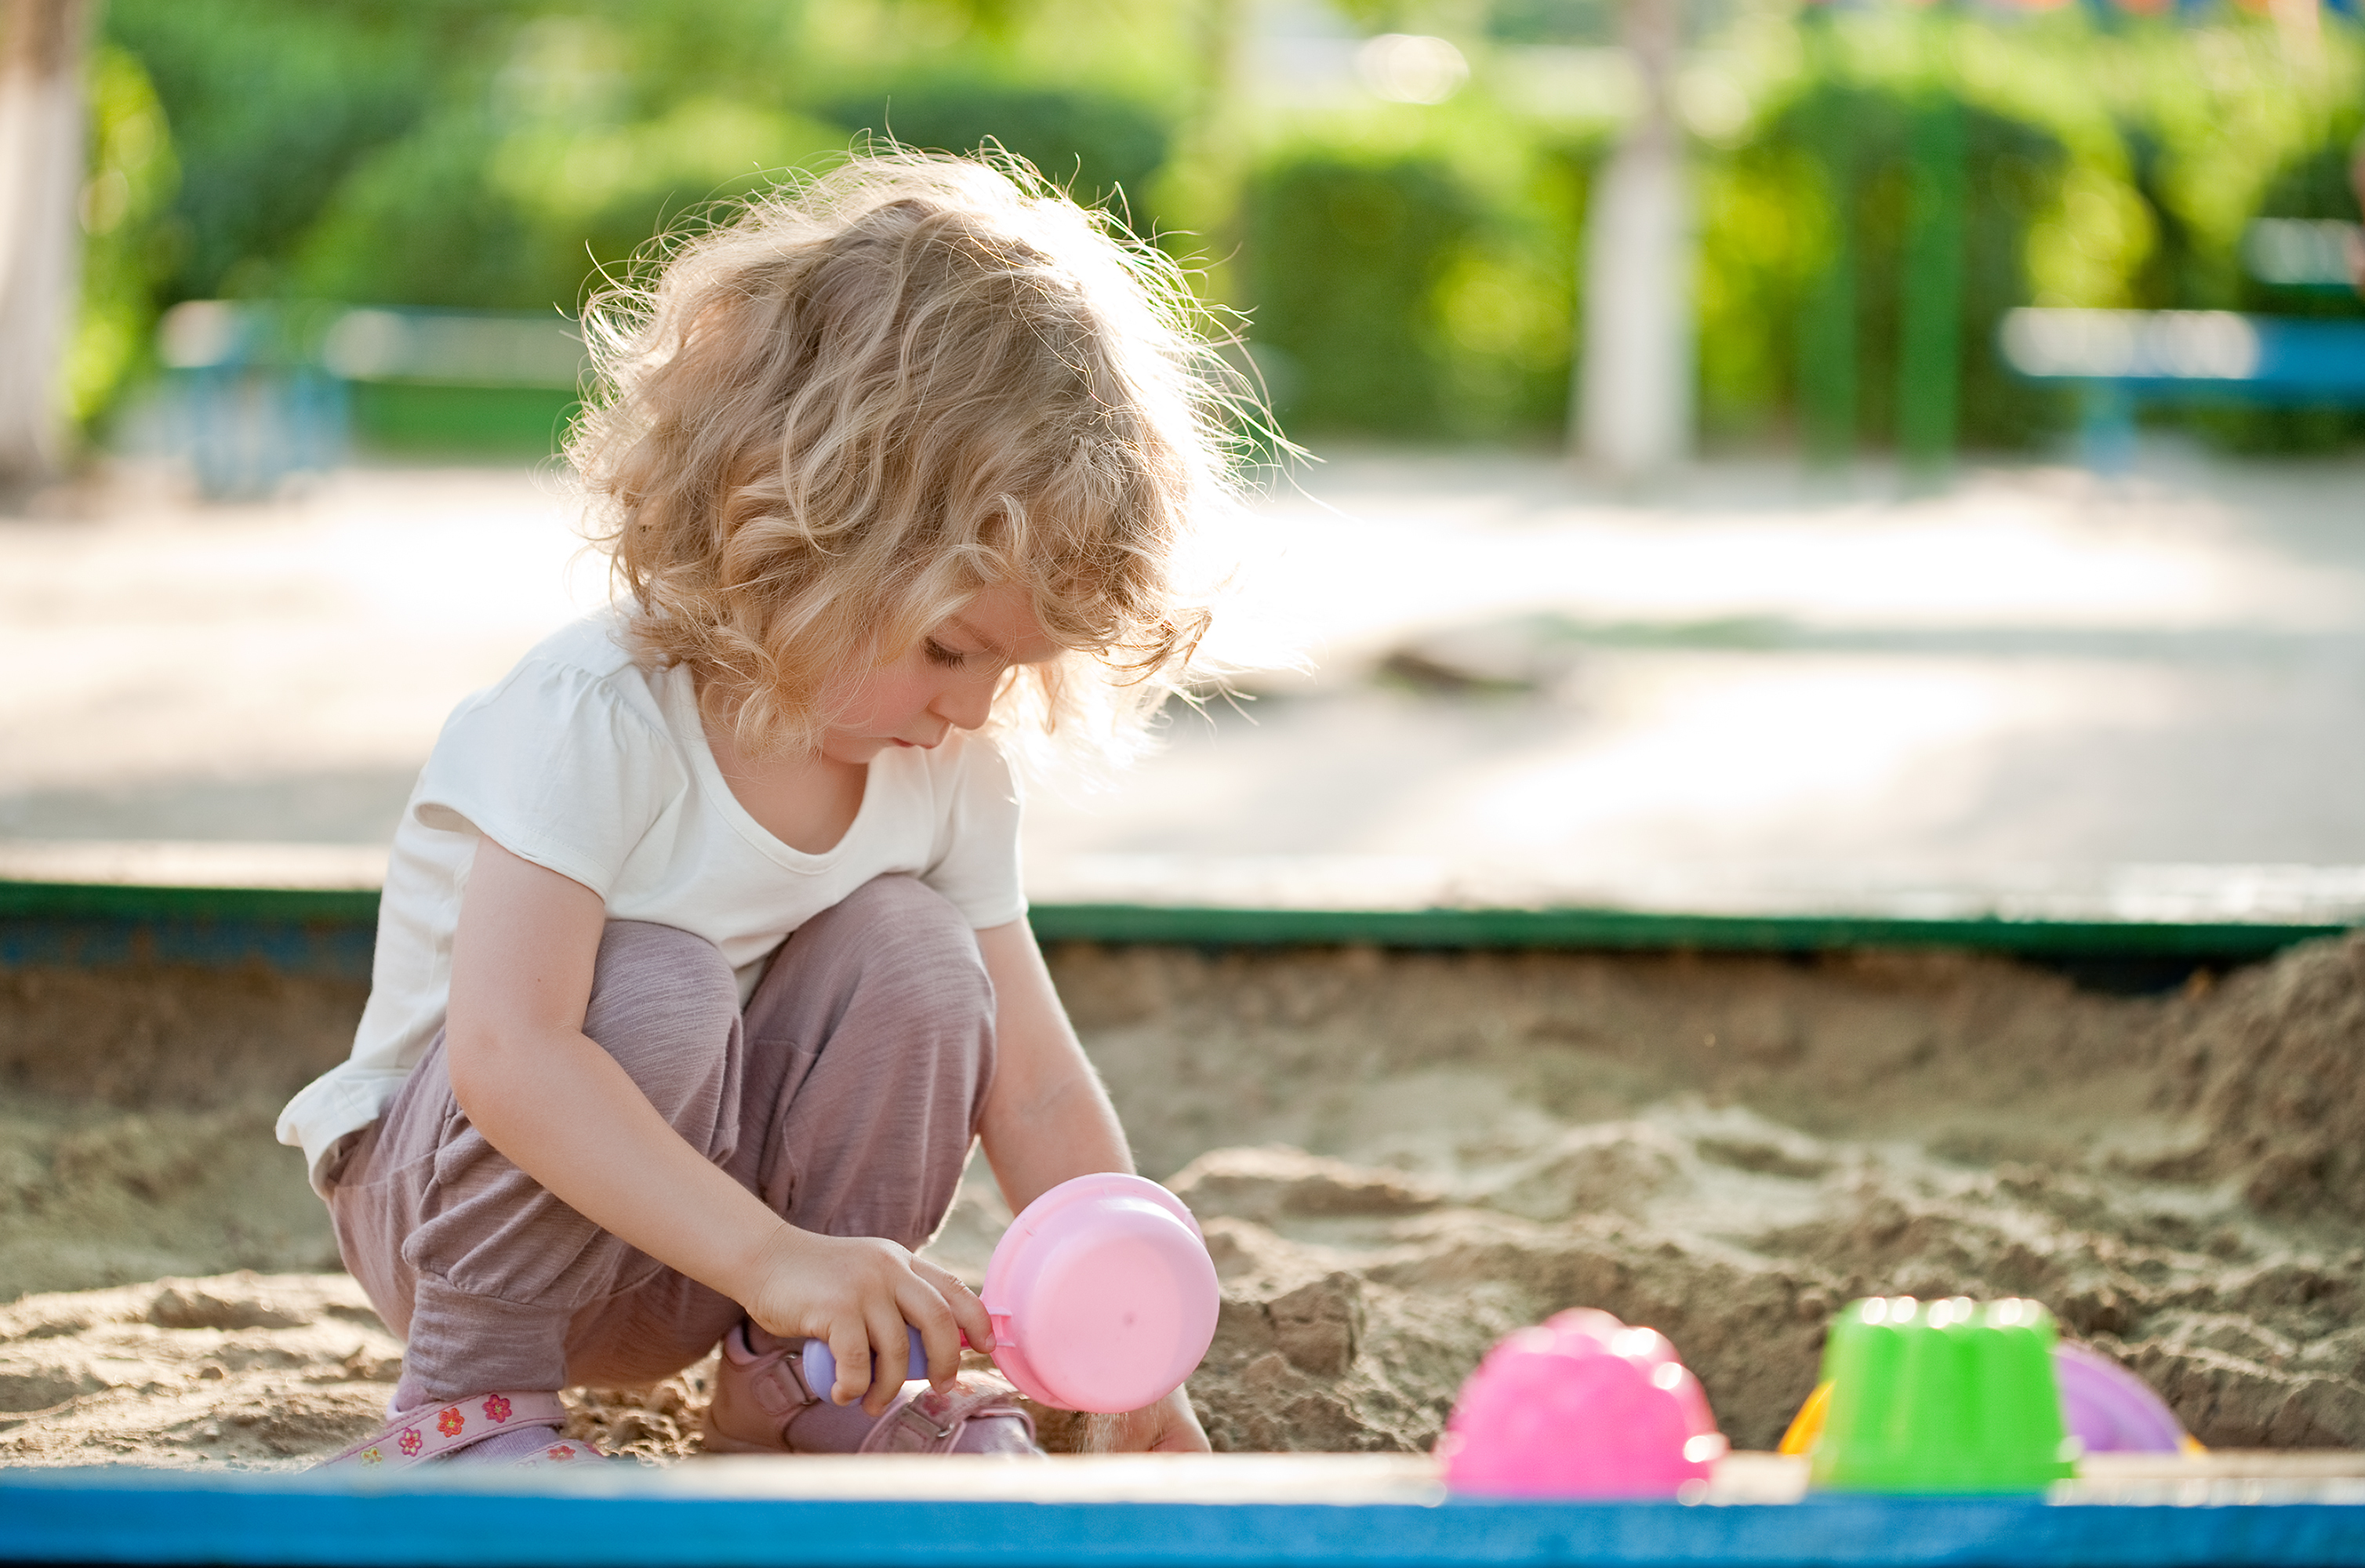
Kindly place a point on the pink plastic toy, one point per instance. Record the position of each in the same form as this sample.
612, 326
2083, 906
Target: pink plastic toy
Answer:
1583, 1406
1101, 1293
1102, 1296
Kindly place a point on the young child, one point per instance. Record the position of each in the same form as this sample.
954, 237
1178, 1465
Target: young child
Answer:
702, 958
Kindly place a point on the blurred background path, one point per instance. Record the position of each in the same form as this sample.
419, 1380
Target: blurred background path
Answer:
2041, 689
1726, 250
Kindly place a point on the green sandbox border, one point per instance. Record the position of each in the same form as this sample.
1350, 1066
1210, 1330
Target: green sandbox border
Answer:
1199, 925
124, 900
1632, 930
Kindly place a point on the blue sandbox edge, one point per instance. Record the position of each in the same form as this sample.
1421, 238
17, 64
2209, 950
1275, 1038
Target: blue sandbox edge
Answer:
643, 1518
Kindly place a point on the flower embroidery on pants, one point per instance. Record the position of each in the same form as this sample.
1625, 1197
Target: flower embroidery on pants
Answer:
410, 1442
496, 1409
561, 1451
450, 1421
373, 1456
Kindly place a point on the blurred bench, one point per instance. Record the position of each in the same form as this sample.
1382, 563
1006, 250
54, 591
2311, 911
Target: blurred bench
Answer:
259, 390
2120, 359
2316, 254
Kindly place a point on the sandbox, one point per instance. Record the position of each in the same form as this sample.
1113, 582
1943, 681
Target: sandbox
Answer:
1214, 1511
1404, 1140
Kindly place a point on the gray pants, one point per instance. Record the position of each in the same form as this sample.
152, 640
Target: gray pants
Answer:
845, 1097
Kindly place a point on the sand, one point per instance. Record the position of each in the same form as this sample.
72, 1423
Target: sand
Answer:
135, 1110
1398, 1157
244, 1370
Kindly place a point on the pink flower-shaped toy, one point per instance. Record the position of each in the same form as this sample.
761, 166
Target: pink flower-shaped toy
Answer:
1583, 1406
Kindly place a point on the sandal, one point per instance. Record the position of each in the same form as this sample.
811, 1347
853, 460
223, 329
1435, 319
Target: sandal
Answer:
438, 1431
760, 1395
975, 1416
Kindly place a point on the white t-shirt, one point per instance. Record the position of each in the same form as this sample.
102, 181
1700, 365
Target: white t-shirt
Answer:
585, 762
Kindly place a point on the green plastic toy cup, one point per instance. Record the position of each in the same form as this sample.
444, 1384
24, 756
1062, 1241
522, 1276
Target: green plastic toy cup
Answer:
1953, 1395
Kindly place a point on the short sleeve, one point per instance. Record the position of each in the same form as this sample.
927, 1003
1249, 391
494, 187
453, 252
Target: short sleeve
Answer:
554, 767
976, 864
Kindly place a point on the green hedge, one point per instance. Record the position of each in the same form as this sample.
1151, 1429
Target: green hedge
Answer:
1411, 271
1345, 260
1399, 293
1099, 147
2315, 184
1842, 149
402, 417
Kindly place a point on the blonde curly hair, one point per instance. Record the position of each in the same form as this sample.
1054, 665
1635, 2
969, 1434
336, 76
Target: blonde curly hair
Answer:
821, 426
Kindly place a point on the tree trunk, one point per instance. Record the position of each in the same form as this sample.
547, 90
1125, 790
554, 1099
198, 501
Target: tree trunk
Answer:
1635, 384
40, 234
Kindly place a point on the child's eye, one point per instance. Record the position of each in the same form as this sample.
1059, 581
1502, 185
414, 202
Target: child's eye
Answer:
940, 654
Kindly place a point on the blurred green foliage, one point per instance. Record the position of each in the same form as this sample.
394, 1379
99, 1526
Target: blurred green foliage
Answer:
2314, 182
127, 252
1345, 262
270, 106
1411, 271
1099, 147
482, 421
1761, 269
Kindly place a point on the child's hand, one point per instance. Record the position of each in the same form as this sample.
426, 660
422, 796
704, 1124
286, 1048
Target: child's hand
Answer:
1170, 1425
857, 1293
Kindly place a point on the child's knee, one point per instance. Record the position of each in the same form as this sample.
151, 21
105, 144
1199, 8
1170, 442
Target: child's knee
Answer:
892, 963
665, 1004
908, 924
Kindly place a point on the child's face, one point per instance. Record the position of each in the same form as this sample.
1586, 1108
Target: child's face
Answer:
946, 683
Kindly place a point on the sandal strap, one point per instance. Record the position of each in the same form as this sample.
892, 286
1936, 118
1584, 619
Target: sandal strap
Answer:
922, 1420
566, 1451
775, 1378
431, 1431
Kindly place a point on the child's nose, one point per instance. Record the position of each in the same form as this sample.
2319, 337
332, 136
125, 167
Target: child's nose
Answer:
965, 705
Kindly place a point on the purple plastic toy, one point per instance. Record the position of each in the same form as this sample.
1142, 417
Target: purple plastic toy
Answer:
821, 1364
1583, 1406
2110, 1410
